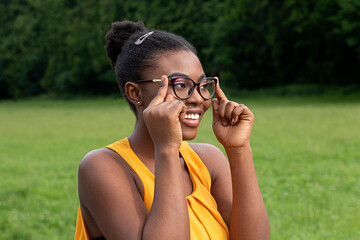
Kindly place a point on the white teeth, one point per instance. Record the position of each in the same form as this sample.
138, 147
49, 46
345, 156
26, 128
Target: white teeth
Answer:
192, 116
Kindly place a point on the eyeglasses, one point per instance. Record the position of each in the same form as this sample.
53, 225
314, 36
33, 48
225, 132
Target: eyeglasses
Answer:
184, 86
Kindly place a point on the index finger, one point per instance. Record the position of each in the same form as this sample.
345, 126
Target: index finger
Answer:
219, 93
161, 94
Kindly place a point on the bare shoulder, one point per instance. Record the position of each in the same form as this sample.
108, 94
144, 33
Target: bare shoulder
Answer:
109, 196
98, 160
99, 167
205, 149
102, 167
213, 158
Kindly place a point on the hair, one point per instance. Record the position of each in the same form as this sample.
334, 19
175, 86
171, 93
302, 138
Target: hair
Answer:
130, 60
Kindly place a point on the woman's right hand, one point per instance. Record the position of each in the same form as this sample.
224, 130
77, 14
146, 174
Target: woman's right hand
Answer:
162, 118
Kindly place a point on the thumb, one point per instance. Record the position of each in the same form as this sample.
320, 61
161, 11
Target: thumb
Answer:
161, 94
215, 107
182, 113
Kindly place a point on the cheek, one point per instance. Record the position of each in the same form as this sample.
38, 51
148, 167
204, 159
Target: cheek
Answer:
207, 104
149, 94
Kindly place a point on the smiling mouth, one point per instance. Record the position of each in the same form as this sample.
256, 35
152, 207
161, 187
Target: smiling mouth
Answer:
193, 116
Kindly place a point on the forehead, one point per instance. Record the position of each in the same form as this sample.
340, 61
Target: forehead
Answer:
184, 62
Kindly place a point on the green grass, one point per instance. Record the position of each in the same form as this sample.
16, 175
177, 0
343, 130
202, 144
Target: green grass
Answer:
306, 151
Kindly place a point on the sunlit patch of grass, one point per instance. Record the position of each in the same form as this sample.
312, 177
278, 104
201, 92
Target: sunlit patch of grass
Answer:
306, 153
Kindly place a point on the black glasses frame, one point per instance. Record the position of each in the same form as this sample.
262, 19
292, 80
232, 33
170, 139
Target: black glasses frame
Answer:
195, 85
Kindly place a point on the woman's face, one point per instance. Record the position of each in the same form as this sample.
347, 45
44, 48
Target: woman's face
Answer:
179, 63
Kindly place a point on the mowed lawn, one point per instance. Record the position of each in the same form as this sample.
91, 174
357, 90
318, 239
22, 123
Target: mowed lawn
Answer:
306, 152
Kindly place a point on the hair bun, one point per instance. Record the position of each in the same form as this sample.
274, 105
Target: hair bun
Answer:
118, 35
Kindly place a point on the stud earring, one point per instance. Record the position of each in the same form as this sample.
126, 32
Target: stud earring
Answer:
138, 103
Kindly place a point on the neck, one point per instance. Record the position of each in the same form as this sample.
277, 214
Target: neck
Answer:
141, 142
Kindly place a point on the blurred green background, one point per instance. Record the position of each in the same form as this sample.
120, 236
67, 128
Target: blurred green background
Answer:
57, 46
295, 63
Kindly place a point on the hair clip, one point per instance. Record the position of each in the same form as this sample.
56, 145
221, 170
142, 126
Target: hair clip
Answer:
143, 37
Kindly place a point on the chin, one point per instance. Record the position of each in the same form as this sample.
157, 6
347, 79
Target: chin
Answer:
189, 134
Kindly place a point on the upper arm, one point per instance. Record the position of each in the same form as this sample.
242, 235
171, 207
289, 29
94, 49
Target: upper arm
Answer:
108, 192
219, 169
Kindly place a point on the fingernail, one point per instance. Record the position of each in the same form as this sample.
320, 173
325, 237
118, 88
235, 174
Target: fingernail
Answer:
224, 123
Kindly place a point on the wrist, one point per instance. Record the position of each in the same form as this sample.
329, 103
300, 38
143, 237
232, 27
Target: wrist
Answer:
166, 152
238, 149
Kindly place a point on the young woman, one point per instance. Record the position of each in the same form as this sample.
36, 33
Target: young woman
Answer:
153, 184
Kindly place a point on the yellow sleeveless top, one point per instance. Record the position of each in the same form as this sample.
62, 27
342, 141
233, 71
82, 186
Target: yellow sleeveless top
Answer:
205, 219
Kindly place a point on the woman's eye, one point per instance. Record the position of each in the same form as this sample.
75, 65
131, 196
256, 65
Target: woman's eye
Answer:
180, 85
204, 86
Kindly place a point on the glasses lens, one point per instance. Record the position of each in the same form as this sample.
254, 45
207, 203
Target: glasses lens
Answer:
207, 87
183, 87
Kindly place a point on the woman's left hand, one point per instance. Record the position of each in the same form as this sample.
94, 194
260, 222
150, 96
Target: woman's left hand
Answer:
232, 122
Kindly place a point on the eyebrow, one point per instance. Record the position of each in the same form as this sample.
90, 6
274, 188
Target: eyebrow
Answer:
177, 74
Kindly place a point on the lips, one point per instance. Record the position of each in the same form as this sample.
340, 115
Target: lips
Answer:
192, 118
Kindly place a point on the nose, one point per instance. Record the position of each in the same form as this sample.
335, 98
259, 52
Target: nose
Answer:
195, 97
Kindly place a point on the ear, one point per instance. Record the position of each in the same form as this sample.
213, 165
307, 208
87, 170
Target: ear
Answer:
133, 93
